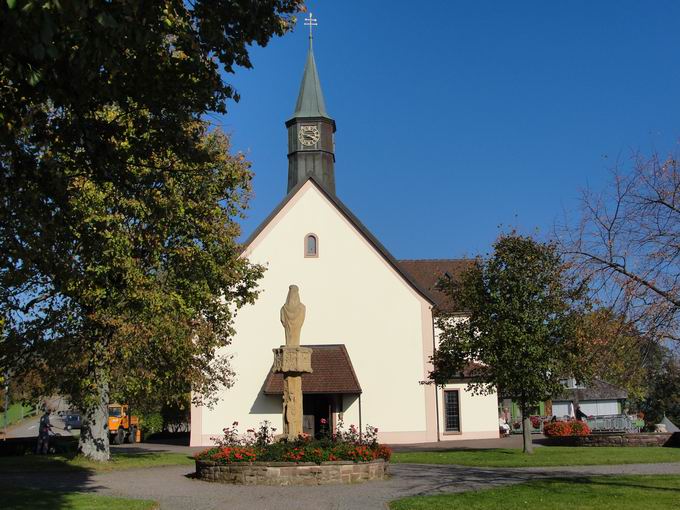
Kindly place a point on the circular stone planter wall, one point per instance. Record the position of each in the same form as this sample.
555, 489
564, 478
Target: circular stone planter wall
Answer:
611, 439
289, 473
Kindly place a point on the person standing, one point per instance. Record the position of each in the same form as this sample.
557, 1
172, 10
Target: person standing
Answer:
44, 428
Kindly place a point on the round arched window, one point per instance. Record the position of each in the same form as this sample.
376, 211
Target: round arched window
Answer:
311, 246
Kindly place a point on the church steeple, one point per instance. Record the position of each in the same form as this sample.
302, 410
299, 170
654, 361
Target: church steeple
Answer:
310, 130
310, 101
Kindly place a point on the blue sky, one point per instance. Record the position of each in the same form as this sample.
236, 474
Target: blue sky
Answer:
464, 116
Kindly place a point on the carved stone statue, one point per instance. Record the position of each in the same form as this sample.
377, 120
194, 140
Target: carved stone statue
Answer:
292, 361
292, 316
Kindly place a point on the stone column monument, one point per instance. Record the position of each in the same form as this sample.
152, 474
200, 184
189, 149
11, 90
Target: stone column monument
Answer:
292, 361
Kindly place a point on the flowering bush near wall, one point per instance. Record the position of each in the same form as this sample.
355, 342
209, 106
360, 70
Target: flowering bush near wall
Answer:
259, 445
566, 428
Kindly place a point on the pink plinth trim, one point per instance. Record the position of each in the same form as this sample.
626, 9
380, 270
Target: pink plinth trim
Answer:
484, 434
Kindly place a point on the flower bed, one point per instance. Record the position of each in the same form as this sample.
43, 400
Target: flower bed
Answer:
255, 458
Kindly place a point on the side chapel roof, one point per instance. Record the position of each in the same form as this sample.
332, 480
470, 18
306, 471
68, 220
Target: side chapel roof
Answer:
427, 272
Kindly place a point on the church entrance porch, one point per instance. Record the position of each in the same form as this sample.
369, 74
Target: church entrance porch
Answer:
327, 392
317, 407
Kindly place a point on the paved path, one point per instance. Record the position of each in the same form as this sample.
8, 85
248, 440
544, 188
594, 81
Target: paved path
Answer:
175, 489
28, 427
511, 441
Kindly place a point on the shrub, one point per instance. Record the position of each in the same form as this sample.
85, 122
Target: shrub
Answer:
557, 429
259, 445
151, 423
579, 428
566, 428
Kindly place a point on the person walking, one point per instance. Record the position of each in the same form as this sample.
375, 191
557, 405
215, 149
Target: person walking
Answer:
580, 415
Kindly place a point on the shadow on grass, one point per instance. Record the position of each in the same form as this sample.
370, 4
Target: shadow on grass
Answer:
620, 481
29, 499
54, 476
57, 477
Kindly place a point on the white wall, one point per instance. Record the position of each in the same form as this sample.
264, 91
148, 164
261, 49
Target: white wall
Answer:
353, 297
478, 414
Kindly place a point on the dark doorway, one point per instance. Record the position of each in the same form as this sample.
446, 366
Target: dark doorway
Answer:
318, 406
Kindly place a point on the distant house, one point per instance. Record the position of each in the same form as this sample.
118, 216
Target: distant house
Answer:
599, 398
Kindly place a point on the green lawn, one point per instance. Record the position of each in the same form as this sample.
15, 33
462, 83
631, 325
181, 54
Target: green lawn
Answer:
33, 463
15, 413
587, 493
31, 499
543, 456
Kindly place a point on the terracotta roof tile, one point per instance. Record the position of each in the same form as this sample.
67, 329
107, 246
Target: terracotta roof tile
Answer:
427, 272
332, 373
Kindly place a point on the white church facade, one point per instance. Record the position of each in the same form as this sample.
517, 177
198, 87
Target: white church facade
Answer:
369, 317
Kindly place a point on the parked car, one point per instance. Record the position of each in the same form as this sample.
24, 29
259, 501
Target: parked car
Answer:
72, 421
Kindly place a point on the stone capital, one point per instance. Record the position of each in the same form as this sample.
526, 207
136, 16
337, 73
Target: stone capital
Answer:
293, 360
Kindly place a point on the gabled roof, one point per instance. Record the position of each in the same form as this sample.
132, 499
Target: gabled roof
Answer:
596, 390
310, 101
355, 223
332, 372
428, 272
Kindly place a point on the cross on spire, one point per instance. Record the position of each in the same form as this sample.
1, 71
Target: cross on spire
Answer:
310, 22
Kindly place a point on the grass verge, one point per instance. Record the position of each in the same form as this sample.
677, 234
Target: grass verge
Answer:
585, 493
543, 456
52, 463
32, 499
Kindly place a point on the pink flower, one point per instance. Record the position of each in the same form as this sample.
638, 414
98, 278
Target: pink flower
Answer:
323, 421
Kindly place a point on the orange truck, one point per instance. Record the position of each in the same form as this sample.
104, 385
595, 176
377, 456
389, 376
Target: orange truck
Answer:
122, 427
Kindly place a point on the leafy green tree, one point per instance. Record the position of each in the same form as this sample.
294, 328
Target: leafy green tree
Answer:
521, 310
611, 349
119, 269
663, 397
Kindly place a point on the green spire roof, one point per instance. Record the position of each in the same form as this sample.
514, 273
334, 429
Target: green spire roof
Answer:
310, 99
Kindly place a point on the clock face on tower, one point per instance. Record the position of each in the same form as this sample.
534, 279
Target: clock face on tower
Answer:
308, 135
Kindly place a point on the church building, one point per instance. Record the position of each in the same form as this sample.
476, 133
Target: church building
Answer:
369, 317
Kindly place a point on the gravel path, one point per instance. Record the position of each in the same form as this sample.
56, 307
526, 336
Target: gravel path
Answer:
175, 489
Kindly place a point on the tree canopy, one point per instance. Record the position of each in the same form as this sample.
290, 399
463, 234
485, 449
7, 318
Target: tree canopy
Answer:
516, 335
611, 349
119, 269
625, 242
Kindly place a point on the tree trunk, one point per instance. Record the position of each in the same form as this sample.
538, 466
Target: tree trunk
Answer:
528, 446
94, 434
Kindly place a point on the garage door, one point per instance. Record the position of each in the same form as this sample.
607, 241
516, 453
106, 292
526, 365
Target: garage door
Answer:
561, 409
600, 407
